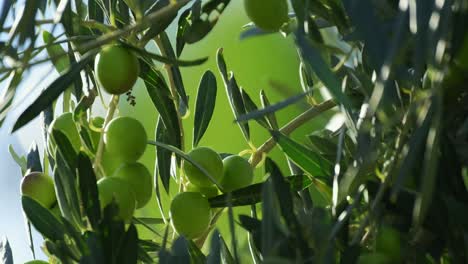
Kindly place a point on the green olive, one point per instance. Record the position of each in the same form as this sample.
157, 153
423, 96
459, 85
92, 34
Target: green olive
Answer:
39, 187
114, 188
190, 214
237, 173
37, 261
388, 241
139, 178
125, 138
208, 192
207, 159
117, 69
65, 124
268, 15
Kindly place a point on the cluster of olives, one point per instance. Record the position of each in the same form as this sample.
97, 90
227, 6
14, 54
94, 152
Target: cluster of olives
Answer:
190, 210
269, 15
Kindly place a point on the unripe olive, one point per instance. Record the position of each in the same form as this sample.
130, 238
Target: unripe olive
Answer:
125, 138
208, 192
190, 214
37, 261
116, 68
65, 124
237, 173
268, 15
39, 187
388, 241
139, 178
115, 188
207, 159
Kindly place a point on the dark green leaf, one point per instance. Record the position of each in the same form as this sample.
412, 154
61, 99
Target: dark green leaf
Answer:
233, 93
128, 253
88, 189
5, 8
250, 106
6, 256
42, 219
204, 107
159, 94
163, 156
309, 161
162, 23
270, 117
284, 195
321, 69
271, 109
52, 92
215, 248
25, 23
252, 194
194, 24
196, 256
166, 48
226, 255
33, 158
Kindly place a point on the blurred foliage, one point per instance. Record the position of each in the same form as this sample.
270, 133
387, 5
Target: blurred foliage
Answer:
391, 176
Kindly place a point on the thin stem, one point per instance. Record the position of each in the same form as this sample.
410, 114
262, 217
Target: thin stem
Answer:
110, 114
300, 120
38, 23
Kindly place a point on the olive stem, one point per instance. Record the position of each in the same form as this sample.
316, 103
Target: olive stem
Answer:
110, 114
287, 129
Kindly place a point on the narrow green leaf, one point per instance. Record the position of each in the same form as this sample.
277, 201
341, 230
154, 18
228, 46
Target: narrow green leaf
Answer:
250, 107
283, 192
270, 117
20, 160
271, 109
215, 249
196, 23
311, 162
33, 159
6, 255
252, 194
128, 253
88, 189
226, 255
196, 256
55, 52
53, 91
163, 156
322, 70
204, 106
159, 94
42, 219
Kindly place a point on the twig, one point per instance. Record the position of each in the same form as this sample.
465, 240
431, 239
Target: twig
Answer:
290, 127
110, 114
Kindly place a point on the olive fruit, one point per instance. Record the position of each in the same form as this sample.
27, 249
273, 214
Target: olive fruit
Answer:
207, 159
237, 173
208, 192
112, 188
65, 124
139, 178
125, 138
190, 214
388, 242
268, 15
36, 261
116, 68
39, 187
